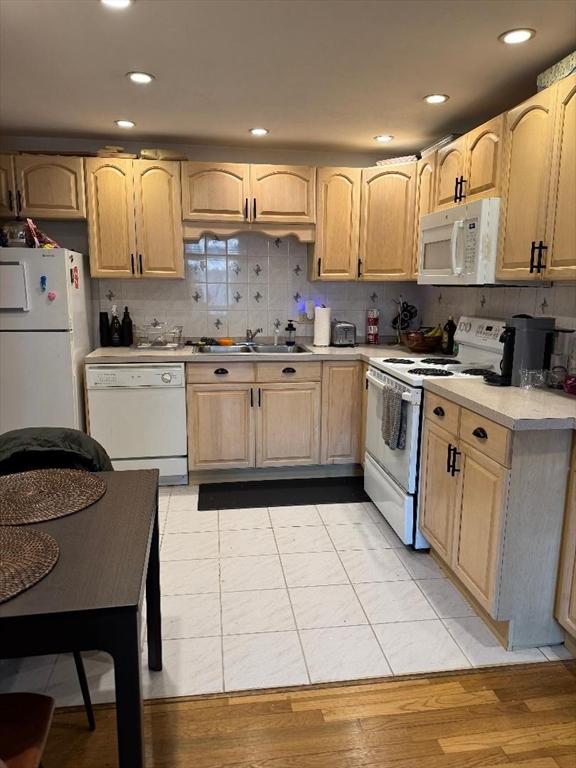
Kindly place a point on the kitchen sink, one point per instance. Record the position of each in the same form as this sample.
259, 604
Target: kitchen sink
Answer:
217, 350
278, 349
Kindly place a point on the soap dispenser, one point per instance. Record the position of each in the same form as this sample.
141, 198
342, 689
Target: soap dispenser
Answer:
290, 334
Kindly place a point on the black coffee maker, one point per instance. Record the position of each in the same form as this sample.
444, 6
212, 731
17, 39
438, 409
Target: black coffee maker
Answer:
528, 343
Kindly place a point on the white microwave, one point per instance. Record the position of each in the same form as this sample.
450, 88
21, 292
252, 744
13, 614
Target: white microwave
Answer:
459, 246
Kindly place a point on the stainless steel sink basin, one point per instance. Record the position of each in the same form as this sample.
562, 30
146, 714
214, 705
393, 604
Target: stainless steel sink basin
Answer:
278, 349
217, 350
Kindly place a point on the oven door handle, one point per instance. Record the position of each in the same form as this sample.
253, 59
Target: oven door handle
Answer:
406, 396
454, 237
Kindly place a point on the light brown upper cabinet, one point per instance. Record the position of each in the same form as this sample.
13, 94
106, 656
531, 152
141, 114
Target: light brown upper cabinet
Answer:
560, 262
483, 161
215, 191
387, 222
158, 218
526, 182
451, 165
424, 201
111, 224
283, 193
7, 186
228, 192
337, 223
538, 226
42, 186
470, 167
134, 218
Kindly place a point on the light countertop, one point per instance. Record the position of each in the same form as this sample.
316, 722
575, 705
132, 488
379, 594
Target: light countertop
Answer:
512, 407
187, 354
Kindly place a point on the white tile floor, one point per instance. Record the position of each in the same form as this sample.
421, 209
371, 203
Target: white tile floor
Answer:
260, 598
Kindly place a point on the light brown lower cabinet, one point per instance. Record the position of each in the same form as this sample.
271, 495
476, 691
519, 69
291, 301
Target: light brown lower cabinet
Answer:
288, 424
566, 593
341, 404
491, 506
480, 505
238, 421
220, 426
438, 489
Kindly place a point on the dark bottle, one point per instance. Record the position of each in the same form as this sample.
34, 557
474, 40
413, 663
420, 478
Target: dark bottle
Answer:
104, 329
291, 331
115, 329
448, 336
127, 334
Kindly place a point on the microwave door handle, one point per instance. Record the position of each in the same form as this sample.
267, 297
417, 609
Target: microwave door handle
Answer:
456, 227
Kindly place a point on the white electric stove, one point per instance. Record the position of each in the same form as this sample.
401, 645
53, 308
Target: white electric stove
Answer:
391, 476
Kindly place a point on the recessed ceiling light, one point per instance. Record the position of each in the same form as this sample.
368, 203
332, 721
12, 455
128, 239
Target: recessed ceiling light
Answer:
383, 138
436, 98
259, 131
515, 36
142, 78
124, 123
118, 5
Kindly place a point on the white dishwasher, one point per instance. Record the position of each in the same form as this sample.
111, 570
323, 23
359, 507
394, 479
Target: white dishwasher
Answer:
137, 412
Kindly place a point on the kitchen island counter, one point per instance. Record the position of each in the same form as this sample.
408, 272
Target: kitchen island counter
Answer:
514, 408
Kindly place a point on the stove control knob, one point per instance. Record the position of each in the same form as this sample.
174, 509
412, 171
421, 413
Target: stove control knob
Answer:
166, 378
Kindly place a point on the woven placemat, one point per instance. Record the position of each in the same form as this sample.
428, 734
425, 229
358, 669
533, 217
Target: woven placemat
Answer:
45, 494
26, 556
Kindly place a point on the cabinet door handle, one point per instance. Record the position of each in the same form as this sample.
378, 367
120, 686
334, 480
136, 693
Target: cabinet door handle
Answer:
10, 200
19, 200
456, 189
480, 433
319, 265
454, 468
359, 267
438, 411
140, 262
221, 372
259, 397
246, 209
254, 209
288, 370
132, 263
541, 248
251, 398
461, 194
532, 254
449, 457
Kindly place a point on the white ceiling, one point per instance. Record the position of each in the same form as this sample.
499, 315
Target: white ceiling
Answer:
320, 74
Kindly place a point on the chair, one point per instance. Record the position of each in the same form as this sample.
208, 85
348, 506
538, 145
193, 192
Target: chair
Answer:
25, 720
22, 450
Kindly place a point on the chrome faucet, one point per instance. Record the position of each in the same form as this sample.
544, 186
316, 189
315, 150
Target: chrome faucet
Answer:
251, 335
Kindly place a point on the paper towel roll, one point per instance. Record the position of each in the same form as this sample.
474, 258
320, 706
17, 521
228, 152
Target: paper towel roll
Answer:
322, 326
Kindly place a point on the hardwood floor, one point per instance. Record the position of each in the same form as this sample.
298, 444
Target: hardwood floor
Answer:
519, 717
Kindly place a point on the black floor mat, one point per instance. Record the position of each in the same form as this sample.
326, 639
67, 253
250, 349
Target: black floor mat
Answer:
281, 493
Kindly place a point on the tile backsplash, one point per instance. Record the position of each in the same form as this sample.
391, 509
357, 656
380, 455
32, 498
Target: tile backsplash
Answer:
248, 281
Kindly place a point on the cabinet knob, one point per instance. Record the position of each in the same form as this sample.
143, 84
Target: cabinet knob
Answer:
438, 411
221, 372
288, 370
480, 433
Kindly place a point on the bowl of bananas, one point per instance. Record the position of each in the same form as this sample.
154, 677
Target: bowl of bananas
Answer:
423, 340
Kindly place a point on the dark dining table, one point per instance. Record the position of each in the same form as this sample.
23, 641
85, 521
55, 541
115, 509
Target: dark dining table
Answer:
92, 599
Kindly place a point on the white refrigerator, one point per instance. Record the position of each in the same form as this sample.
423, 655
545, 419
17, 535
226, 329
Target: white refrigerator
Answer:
45, 334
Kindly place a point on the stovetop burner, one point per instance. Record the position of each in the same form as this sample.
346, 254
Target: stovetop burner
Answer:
477, 371
398, 360
440, 361
430, 372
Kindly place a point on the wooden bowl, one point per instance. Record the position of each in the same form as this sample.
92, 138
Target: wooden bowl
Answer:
417, 341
